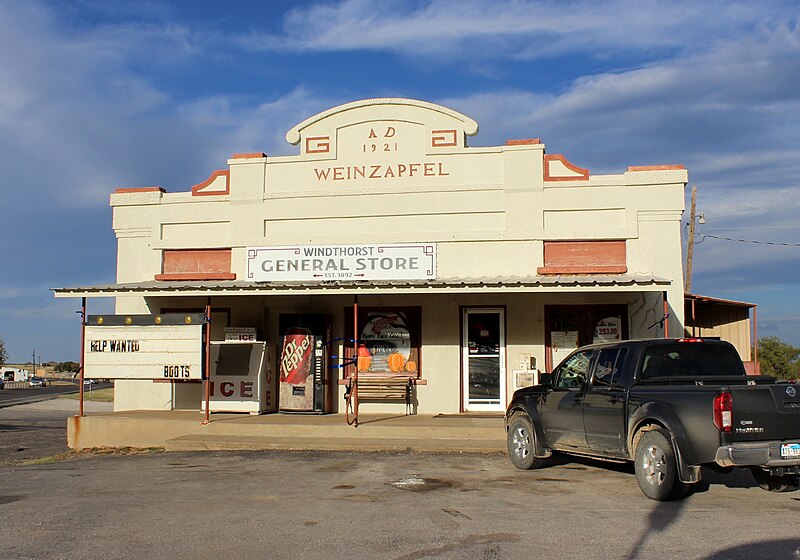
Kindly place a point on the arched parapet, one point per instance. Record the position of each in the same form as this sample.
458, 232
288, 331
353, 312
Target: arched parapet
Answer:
382, 125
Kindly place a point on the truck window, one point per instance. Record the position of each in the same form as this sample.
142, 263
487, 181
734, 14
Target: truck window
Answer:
574, 371
607, 372
692, 359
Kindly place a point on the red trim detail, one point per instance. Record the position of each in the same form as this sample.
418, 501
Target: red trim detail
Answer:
584, 257
139, 189
197, 276
523, 142
196, 264
322, 144
655, 167
198, 188
439, 138
583, 173
251, 155
581, 270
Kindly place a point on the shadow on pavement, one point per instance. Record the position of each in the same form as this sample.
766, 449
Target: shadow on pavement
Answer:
786, 549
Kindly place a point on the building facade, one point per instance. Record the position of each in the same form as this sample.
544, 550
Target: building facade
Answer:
465, 269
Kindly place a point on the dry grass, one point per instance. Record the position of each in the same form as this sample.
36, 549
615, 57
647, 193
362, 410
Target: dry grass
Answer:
96, 395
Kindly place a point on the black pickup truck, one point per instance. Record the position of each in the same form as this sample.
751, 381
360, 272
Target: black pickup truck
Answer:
669, 405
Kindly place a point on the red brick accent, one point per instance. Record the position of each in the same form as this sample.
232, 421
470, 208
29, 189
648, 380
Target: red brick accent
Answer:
139, 189
249, 156
523, 142
583, 174
584, 257
654, 167
199, 276
197, 190
196, 264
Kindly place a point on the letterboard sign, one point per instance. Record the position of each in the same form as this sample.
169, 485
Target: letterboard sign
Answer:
168, 346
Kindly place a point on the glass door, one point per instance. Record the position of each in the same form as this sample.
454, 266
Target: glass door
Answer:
483, 351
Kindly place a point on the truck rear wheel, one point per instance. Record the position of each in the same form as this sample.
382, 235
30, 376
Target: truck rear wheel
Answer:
656, 467
775, 483
521, 441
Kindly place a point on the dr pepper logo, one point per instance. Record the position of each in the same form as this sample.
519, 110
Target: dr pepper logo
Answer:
296, 356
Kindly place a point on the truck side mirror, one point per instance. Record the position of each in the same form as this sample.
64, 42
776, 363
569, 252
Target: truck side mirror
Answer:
546, 379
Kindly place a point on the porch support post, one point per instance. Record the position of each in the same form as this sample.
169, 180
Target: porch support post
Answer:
755, 341
355, 358
666, 315
83, 355
207, 369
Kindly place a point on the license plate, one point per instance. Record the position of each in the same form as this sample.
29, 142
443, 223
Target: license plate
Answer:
790, 450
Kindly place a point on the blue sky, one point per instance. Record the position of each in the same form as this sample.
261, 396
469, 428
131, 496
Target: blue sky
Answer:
99, 95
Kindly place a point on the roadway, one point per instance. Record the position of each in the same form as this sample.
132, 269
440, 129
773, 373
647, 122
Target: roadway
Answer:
11, 397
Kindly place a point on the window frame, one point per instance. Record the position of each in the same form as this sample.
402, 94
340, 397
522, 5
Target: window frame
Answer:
621, 354
559, 373
412, 316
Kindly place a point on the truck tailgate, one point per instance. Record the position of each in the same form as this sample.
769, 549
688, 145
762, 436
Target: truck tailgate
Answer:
766, 412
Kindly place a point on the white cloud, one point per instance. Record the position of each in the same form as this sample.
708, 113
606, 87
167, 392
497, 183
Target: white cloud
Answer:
513, 28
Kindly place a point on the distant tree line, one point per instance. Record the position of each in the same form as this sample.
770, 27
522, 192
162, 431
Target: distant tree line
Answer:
778, 359
68, 367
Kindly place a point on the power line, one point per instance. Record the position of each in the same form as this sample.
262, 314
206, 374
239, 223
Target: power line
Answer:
750, 241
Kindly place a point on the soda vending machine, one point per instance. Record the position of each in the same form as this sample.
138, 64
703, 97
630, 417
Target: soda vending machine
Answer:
304, 383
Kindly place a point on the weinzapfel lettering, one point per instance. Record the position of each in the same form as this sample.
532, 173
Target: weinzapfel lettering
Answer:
375, 171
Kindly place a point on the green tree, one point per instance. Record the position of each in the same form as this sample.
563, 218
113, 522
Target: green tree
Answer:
778, 358
3, 355
68, 367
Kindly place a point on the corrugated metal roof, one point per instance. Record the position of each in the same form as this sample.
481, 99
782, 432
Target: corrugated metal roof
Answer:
709, 299
238, 287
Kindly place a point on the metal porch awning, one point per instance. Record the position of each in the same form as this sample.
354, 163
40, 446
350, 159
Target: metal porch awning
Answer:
627, 283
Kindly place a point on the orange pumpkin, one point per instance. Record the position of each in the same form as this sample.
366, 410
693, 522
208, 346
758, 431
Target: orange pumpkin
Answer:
411, 366
364, 362
396, 361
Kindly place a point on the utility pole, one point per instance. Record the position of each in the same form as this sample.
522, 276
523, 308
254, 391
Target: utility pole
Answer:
687, 284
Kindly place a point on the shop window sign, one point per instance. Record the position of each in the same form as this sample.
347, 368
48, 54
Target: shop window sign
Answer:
389, 341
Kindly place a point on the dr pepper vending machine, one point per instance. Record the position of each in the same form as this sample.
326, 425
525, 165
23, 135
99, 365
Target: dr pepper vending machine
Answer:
305, 383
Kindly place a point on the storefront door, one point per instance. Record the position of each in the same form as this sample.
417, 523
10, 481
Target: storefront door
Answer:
483, 361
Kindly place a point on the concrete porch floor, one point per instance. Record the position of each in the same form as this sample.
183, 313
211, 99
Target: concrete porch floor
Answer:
183, 431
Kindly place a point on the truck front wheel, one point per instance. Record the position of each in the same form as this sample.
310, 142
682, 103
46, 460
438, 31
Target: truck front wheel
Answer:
521, 443
656, 467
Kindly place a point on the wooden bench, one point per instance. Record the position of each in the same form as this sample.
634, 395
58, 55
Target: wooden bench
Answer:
395, 388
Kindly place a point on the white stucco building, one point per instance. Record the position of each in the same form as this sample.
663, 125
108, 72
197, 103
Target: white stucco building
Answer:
472, 266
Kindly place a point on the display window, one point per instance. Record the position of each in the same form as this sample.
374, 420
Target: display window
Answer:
388, 340
570, 327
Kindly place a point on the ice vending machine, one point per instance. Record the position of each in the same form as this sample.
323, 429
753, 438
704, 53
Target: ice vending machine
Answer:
305, 384
242, 378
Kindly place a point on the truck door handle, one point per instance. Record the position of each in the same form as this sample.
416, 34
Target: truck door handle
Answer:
614, 399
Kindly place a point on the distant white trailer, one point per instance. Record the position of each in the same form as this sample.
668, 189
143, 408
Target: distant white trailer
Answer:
15, 374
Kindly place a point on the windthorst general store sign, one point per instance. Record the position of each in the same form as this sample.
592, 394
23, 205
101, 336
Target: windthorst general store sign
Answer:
319, 263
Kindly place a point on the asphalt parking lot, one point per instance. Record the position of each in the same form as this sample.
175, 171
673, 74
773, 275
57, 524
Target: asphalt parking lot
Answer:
366, 505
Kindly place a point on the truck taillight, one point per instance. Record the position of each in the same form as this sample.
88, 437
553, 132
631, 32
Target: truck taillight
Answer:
723, 412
